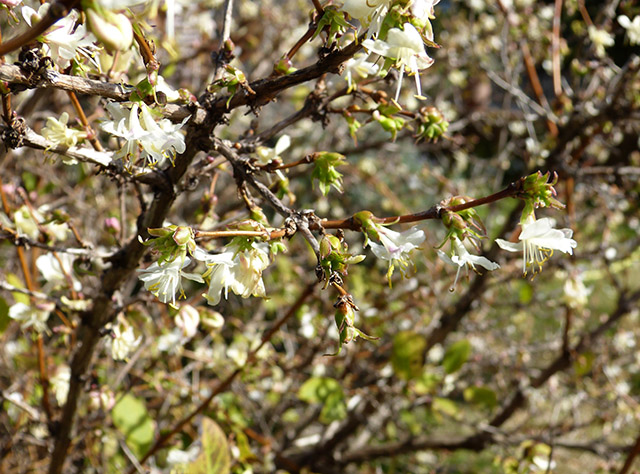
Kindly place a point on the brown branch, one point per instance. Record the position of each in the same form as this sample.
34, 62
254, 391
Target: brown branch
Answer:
104, 308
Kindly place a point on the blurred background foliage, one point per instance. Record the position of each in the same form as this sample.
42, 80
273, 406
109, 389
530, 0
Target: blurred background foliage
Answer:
501, 375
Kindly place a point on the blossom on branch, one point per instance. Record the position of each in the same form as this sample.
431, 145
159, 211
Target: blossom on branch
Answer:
164, 280
34, 316
462, 258
406, 49
64, 40
58, 133
123, 341
238, 268
538, 240
156, 141
632, 27
396, 247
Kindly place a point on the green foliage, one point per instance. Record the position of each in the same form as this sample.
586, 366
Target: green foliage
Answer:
456, 355
482, 396
4, 315
407, 357
131, 418
328, 392
215, 457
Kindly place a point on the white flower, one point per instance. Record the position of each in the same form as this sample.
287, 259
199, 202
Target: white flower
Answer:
57, 270
632, 27
423, 11
156, 141
34, 316
370, 13
187, 320
538, 240
396, 247
57, 132
576, 294
123, 342
25, 221
60, 384
360, 67
601, 39
407, 49
237, 269
462, 258
164, 280
64, 40
177, 457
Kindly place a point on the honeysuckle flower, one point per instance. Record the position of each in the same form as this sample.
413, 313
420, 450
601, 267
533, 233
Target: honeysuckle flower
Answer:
239, 268
25, 221
32, 316
462, 258
58, 133
576, 294
60, 384
187, 320
538, 240
164, 138
601, 39
370, 13
11, 3
114, 30
102, 399
156, 141
165, 280
123, 341
406, 48
358, 66
64, 39
396, 247
632, 27
423, 11
57, 269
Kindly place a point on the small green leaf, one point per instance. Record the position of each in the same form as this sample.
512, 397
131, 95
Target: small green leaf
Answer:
445, 406
215, 451
14, 280
131, 418
481, 396
4, 315
407, 357
327, 391
456, 355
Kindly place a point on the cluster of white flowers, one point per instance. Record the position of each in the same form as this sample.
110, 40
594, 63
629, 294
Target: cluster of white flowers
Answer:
632, 27
156, 141
403, 46
66, 39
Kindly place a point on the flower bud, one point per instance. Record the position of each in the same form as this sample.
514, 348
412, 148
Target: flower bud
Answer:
112, 29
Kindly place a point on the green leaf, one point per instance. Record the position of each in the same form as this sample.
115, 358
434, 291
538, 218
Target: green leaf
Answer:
131, 418
4, 315
14, 280
327, 391
214, 457
407, 357
456, 355
445, 406
481, 396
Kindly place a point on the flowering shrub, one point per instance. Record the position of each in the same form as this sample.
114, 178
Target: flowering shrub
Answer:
204, 206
